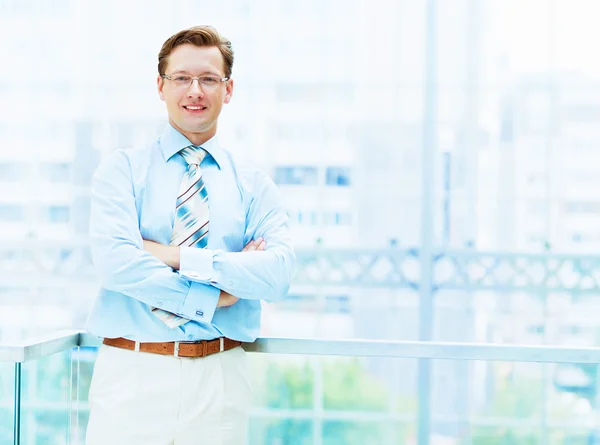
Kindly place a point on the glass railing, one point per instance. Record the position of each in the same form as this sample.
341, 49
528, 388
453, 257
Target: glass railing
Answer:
326, 392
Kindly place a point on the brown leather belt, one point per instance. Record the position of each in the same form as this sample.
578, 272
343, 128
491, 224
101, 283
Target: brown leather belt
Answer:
176, 349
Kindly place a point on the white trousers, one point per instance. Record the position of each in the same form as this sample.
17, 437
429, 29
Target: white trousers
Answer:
139, 398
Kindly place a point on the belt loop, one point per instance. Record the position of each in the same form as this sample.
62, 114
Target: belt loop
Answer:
204, 348
222, 344
176, 349
136, 348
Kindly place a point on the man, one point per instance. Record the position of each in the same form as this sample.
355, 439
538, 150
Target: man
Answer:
186, 243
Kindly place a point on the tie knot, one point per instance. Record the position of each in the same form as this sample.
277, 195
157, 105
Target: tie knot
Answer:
193, 154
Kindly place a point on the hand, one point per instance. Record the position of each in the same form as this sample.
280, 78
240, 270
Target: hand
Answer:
255, 245
225, 298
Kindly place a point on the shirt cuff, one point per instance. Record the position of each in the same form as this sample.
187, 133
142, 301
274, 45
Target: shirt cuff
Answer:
196, 264
200, 303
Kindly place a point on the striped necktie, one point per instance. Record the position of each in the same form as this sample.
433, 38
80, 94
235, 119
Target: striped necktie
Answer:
190, 227
191, 214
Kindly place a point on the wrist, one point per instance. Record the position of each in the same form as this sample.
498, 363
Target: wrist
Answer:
174, 257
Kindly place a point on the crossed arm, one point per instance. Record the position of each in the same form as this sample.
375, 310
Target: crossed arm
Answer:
170, 255
186, 281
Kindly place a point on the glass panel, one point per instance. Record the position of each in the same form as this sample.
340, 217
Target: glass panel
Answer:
359, 384
7, 401
46, 400
356, 400
284, 382
508, 403
347, 400
83, 360
332, 400
365, 433
265, 431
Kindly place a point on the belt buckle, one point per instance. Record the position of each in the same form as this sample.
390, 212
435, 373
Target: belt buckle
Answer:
176, 349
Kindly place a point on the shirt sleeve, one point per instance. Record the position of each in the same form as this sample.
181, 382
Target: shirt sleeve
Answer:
117, 249
265, 275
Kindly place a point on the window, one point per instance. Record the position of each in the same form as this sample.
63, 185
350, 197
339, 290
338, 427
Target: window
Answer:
12, 213
328, 218
538, 207
299, 303
585, 237
308, 93
296, 175
333, 304
338, 176
337, 304
536, 329
337, 218
582, 207
56, 172
13, 171
56, 214
343, 219
307, 218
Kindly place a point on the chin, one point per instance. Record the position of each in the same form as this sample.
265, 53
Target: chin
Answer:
197, 129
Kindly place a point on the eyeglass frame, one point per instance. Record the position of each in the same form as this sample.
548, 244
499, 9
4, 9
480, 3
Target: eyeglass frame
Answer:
192, 78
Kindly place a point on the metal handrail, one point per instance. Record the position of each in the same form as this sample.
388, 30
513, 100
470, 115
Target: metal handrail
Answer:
36, 348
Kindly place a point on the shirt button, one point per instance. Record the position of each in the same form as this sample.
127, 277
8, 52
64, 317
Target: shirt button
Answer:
159, 303
199, 313
190, 337
230, 282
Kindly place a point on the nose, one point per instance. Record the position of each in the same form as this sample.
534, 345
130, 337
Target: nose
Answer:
195, 90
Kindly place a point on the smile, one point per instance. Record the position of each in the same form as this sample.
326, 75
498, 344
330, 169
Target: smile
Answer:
194, 107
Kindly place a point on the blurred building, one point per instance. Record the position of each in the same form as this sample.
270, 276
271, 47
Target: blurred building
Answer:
330, 103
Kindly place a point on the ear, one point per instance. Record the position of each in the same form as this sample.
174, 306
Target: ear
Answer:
228, 91
160, 84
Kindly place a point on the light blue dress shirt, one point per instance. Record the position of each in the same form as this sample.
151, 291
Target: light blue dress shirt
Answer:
133, 198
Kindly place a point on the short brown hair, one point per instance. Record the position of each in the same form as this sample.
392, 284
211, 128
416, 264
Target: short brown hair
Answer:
198, 36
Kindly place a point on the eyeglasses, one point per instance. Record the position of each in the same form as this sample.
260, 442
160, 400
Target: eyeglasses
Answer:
182, 81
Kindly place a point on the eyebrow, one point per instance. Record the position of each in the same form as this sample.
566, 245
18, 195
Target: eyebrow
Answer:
204, 73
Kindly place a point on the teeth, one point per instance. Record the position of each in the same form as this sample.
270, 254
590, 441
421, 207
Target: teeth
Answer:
194, 108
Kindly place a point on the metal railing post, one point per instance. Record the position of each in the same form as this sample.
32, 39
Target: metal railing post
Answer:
17, 405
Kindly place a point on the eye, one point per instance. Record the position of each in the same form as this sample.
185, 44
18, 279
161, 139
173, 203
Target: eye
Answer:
209, 80
182, 79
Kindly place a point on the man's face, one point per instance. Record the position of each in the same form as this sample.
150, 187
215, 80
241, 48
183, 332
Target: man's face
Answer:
194, 109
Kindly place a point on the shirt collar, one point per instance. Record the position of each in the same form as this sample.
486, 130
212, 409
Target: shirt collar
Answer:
172, 141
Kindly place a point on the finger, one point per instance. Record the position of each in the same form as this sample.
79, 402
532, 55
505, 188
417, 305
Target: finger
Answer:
231, 301
257, 243
263, 245
248, 246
